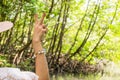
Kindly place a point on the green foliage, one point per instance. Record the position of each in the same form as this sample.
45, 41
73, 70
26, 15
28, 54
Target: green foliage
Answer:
4, 62
21, 13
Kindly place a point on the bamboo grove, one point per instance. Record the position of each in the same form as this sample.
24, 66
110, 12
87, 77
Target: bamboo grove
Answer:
69, 39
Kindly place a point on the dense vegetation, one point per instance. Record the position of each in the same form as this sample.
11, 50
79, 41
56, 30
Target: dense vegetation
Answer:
80, 32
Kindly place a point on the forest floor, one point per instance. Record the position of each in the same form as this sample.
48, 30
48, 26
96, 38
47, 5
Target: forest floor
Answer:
111, 72
90, 77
